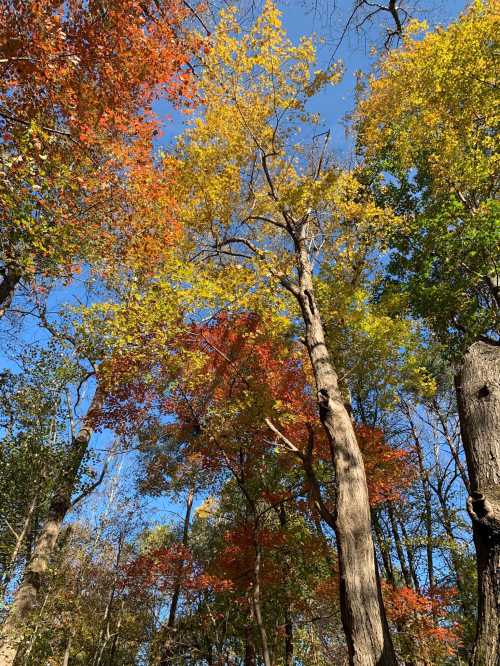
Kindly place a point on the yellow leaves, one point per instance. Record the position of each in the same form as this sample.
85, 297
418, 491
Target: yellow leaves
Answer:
207, 509
435, 102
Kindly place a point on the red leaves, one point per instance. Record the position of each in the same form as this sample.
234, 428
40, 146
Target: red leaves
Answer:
389, 471
422, 618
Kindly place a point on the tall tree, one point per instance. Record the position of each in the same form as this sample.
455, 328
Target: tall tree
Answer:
256, 201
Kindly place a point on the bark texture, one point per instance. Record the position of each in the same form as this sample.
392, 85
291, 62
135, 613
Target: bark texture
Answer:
363, 615
28, 591
478, 394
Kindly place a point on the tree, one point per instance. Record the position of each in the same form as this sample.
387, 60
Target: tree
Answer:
255, 89
76, 131
437, 139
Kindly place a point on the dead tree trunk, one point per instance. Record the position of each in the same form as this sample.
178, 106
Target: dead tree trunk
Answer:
27, 593
478, 394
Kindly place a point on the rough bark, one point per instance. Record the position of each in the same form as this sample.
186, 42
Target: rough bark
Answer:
478, 394
363, 615
28, 591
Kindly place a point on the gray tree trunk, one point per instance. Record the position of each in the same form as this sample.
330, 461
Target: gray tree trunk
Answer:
363, 615
478, 394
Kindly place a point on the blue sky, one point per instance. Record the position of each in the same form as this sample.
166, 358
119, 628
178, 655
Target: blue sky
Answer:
333, 104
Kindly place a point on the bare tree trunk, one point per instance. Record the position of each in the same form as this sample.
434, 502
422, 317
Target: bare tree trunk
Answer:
383, 548
283, 518
363, 615
410, 552
478, 393
399, 546
27, 593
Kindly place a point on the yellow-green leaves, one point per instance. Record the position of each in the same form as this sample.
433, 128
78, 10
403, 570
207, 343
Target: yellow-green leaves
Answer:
434, 105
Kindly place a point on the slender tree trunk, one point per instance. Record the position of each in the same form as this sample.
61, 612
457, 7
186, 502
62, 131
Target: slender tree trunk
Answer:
10, 279
383, 548
478, 394
363, 615
283, 518
27, 593
258, 609
410, 552
424, 480
168, 648
67, 652
399, 547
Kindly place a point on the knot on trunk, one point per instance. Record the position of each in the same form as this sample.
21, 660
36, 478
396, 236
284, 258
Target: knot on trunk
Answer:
484, 507
323, 403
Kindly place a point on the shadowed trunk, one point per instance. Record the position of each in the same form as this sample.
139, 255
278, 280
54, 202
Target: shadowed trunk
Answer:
27, 593
478, 393
10, 279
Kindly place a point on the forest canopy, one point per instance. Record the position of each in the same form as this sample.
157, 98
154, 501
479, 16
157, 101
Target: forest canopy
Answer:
249, 334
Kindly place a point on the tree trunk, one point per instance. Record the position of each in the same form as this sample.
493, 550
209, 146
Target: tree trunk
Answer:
266, 657
383, 548
169, 648
10, 280
478, 394
399, 546
26, 595
363, 616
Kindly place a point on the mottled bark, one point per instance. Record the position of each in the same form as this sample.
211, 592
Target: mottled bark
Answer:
478, 395
27, 593
363, 616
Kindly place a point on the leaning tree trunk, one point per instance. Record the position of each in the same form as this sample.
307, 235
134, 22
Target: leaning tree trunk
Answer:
478, 393
363, 615
25, 598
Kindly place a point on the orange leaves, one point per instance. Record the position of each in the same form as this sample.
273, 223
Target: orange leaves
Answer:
389, 471
421, 620
76, 92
